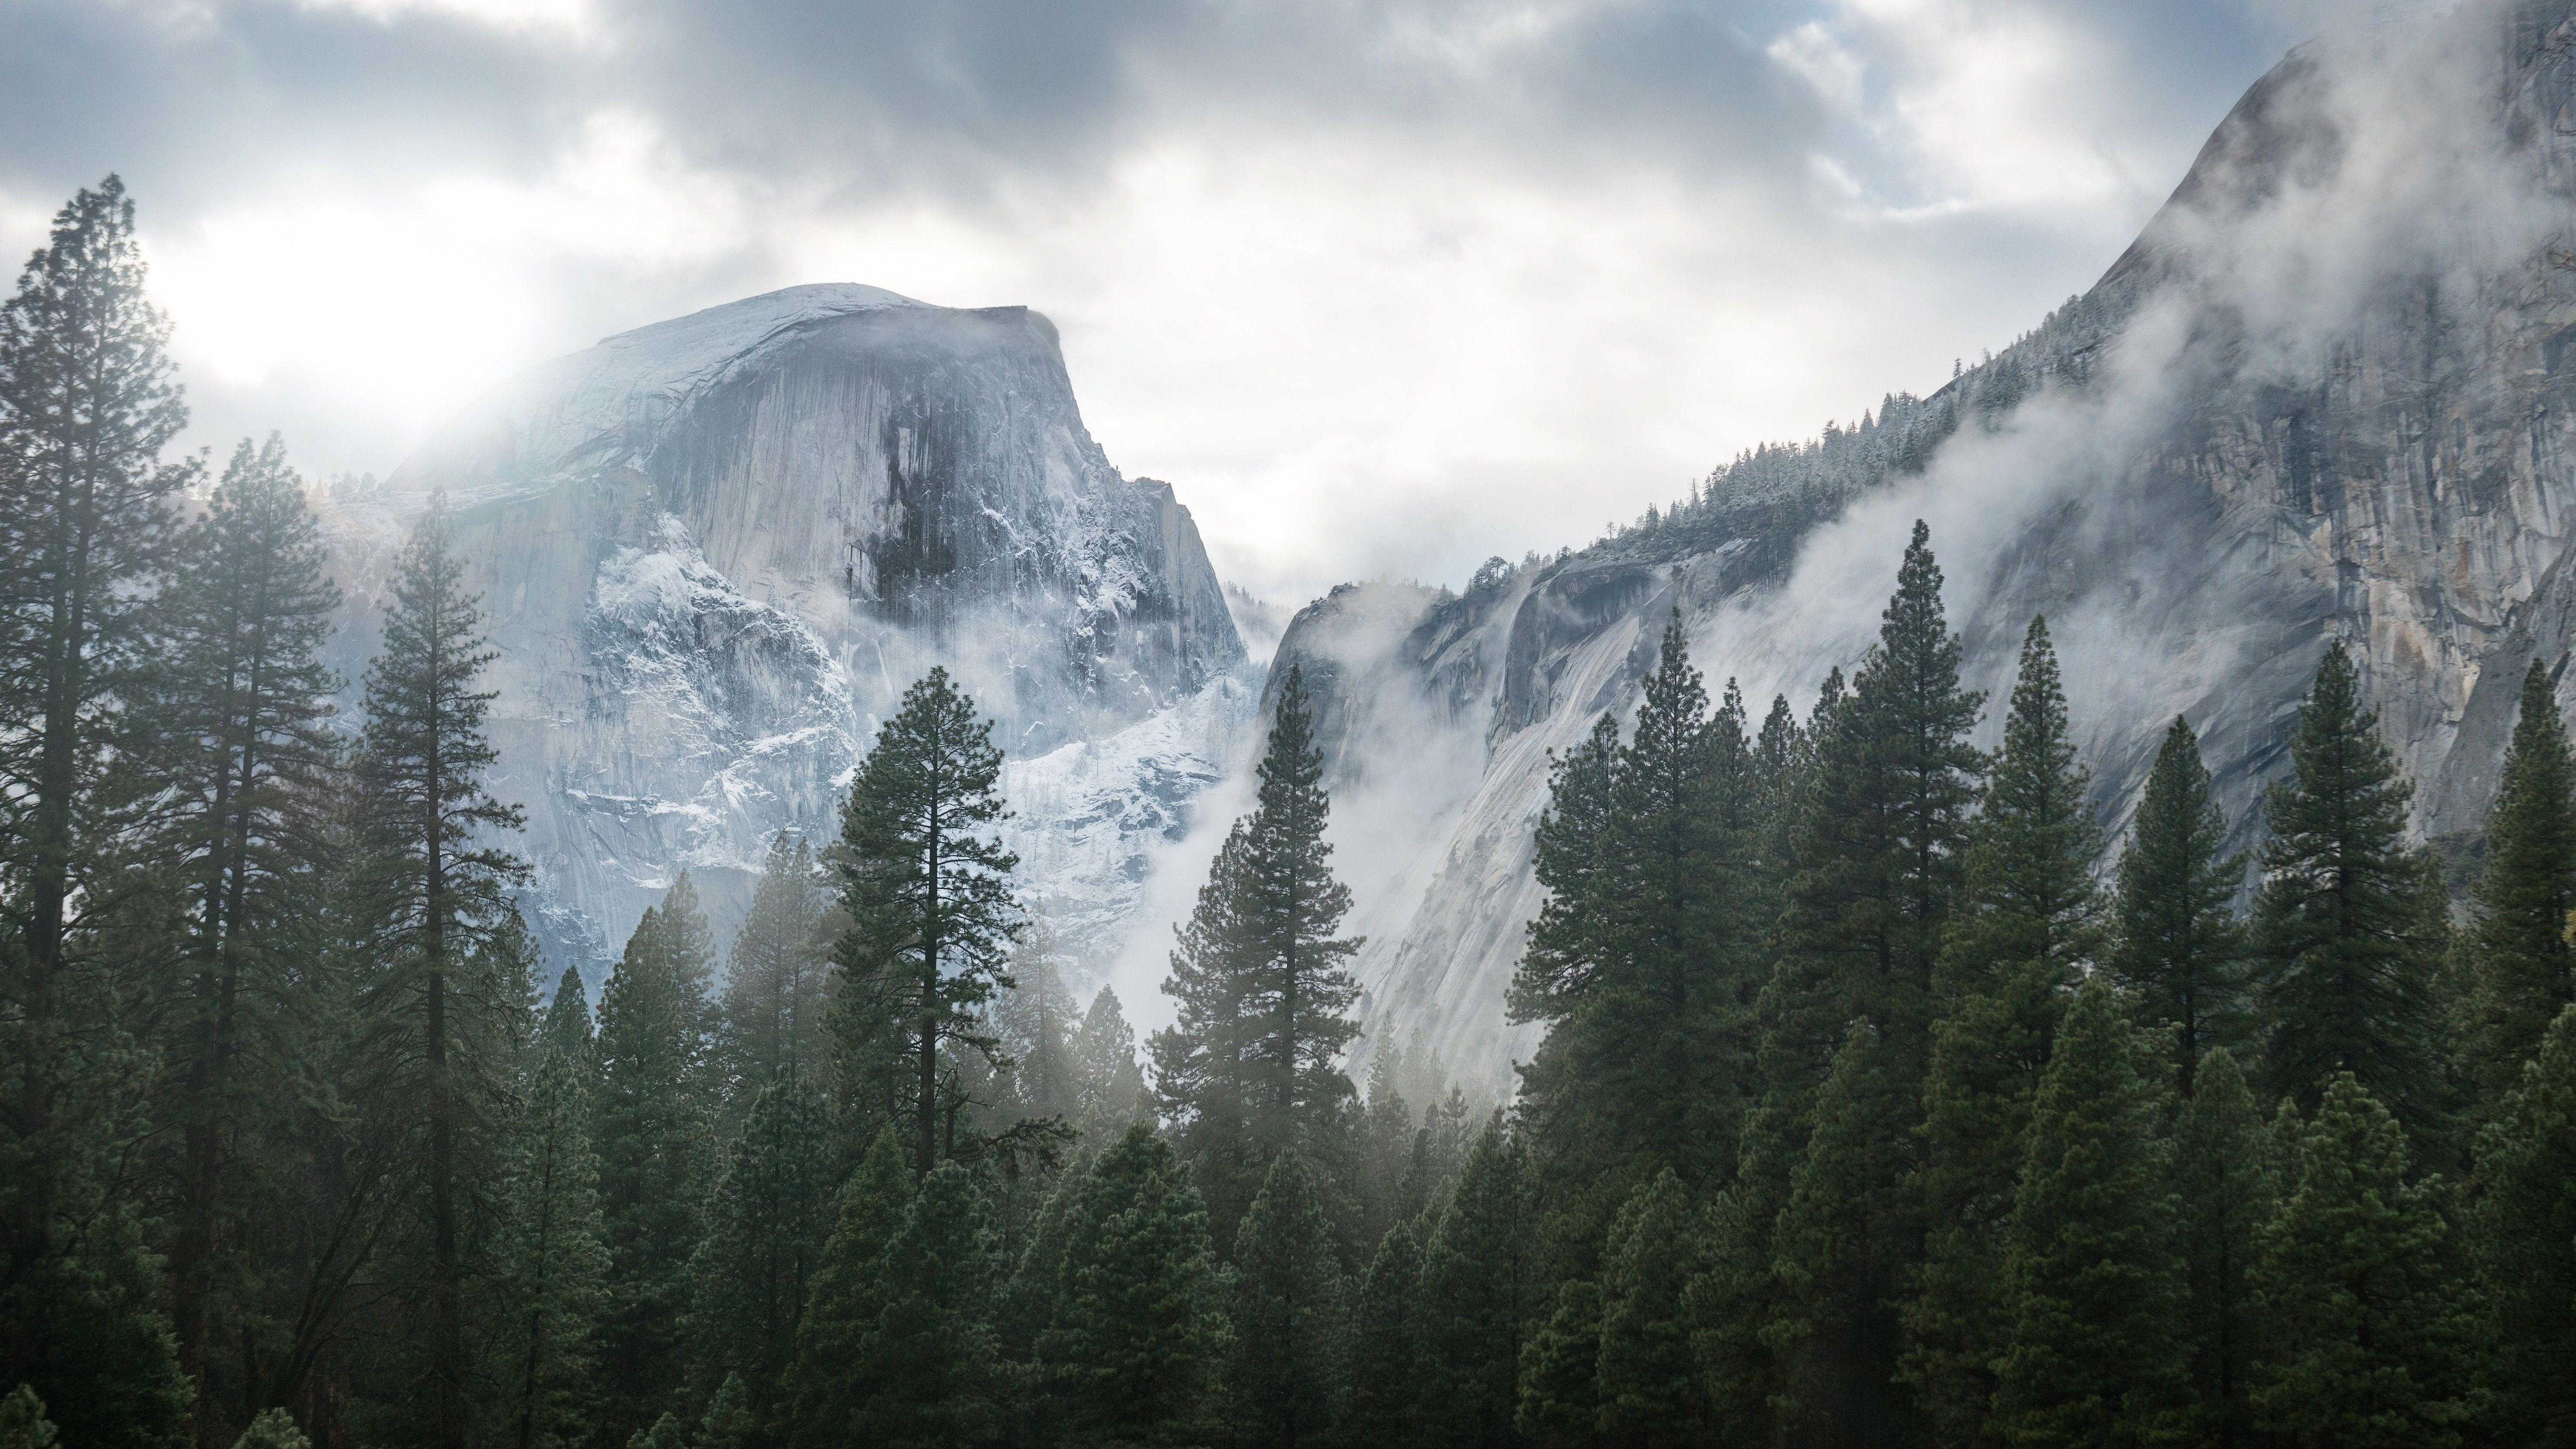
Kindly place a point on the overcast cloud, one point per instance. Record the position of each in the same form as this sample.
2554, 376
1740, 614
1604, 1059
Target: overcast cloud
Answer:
1381, 288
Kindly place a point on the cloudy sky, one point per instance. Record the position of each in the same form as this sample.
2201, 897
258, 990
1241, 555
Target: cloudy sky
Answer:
1381, 288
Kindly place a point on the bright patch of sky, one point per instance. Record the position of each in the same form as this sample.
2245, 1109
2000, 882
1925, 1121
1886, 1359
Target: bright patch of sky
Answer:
1380, 288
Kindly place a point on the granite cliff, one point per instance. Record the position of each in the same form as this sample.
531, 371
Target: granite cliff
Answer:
2329, 393
714, 551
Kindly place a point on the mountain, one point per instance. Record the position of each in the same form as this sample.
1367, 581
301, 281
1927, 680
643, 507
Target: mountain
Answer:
2328, 393
714, 551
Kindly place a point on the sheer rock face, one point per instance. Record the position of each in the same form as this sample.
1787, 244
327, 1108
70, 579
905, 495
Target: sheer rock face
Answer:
714, 551
2330, 393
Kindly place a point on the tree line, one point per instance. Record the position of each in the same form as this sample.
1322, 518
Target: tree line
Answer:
1867, 1111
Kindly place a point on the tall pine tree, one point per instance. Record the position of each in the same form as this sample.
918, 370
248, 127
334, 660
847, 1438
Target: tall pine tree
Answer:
437, 883
2341, 919
770, 1019
1251, 1066
1389, 1357
1480, 1287
553, 1262
842, 1300
1876, 880
2364, 1337
2028, 927
240, 709
2178, 946
87, 405
655, 1134
766, 1220
1288, 1314
2525, 1241
1138, 1338
2225, 1190
1652, 1394
2091, 1283
2523, 972
928, 894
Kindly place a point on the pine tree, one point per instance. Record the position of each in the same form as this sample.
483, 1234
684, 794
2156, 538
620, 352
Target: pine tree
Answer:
1479, 1289
2222, 1163
1560, 1372
239, 712
2091, 1280
654, 1130
1288, 1314
2179, 946
1389, 1359
926, 1367
272, 1429
770, 1020
766, 1219
553, 1262
2524, 971
1879, 859
843, 1297
1250, 1067
1139, 1332
2028, 926
929, 901
1651, 1391
438, 885
1109, 1084
86, 407
2525, 1240
2340, 920
23, 1424
730, 1422
2362, 1330
1642, 965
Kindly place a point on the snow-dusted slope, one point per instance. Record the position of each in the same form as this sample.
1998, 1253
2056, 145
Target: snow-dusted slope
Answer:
714, 551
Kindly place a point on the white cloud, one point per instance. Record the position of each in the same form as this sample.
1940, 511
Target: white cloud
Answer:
553, 19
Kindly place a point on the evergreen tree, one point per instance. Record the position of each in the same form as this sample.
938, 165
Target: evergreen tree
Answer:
1642, 963
272, 1429
2223, 1173
23, 1424
654, 1131
2028, 926
1139, 1331
926, 1369
1560, 1372
2524, 971
929, 901
843, 1297
86, 407
1389, 1360
730, 1422
1879, 857
2091, 1281
437, 887
1109, 1084
239, 709
553, 1263
1250, 1067
2526, 1245
2179, 946
1288, 1314
2340, 920
770, 1020
766, 1220
1479, 1289
2363, 1333
1650, 1387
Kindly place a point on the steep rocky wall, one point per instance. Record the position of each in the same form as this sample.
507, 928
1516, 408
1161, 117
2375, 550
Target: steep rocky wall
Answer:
714, 551
2328, 394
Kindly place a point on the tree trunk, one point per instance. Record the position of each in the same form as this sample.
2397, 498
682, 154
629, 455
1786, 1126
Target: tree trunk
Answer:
447, 1345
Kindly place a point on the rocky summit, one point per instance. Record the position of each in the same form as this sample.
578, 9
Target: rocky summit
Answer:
2328, 394
714, 551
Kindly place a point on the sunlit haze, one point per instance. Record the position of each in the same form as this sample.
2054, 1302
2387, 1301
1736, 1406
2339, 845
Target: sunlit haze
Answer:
1380, 289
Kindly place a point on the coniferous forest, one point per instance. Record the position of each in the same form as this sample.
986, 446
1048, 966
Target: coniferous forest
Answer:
1883, 1100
